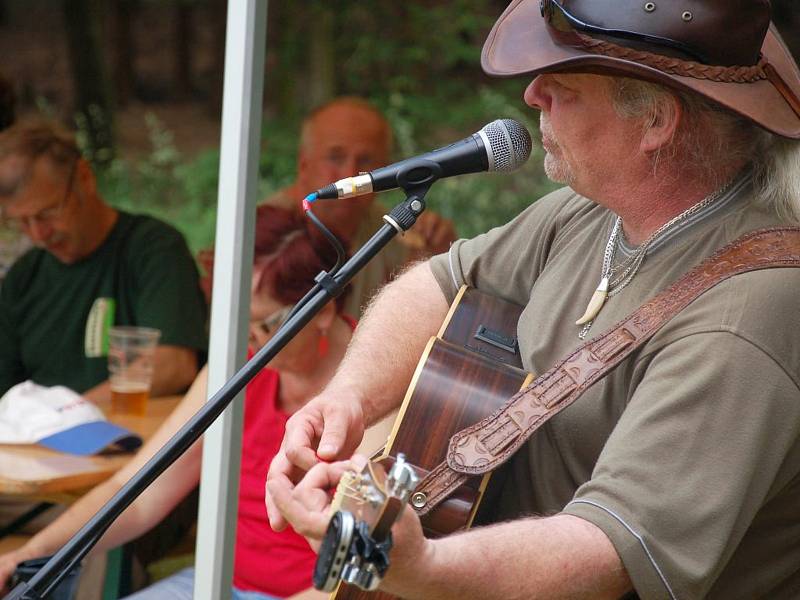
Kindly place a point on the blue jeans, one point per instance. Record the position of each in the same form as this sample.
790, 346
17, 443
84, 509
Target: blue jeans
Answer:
181, 587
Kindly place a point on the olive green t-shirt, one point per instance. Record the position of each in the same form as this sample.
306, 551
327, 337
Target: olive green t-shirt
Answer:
687, 455
54, 317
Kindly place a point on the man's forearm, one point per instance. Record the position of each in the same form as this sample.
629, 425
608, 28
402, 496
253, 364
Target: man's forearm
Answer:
389, 341
175, 369
555, 557
100, 393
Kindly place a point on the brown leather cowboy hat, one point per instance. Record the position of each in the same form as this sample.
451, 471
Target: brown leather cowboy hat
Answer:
726, 50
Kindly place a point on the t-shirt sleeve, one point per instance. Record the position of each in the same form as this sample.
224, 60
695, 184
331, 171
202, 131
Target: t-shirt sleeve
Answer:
691, 461
506, 260
166, 286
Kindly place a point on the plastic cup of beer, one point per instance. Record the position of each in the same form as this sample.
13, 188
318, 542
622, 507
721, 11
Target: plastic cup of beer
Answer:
130, 366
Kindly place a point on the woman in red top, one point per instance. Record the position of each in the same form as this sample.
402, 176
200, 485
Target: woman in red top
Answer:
267, 564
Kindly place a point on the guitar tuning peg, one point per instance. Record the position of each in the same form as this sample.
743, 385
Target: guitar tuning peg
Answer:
402, 479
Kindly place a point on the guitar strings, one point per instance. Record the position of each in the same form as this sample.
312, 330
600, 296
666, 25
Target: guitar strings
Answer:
350, 487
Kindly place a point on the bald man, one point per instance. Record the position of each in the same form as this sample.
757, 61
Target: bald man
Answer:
339, 139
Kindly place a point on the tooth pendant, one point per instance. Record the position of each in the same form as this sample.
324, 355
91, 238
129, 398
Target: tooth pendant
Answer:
596, 303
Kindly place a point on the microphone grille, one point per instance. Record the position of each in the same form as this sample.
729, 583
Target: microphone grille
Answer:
509, 144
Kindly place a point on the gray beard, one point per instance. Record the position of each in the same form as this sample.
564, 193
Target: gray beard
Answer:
557, 170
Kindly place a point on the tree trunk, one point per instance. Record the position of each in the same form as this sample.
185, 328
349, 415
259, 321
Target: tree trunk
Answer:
183, 48
321, 56
219, 14
92, 96
285, 26
124, 15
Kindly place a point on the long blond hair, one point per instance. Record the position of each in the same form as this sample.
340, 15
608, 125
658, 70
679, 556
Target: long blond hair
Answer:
711, 138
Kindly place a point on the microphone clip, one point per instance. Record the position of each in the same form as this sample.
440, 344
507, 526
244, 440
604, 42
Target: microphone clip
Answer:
403, 216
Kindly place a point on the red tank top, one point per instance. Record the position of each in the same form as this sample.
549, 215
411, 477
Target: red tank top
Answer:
266, 561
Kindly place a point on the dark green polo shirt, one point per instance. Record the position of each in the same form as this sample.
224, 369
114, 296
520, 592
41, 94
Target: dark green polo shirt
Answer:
54, 317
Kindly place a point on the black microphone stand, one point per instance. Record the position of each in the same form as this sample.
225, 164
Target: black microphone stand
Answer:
44, 582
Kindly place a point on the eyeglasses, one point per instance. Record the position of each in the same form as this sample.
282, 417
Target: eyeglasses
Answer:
559, 19
46, 215
273, 322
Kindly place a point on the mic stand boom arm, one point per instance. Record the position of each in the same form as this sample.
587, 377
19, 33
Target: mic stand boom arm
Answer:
400, 219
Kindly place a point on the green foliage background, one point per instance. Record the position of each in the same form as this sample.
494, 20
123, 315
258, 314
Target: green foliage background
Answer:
418, 62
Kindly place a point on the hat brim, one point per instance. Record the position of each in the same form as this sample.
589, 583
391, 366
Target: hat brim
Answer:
520, 43
91, 438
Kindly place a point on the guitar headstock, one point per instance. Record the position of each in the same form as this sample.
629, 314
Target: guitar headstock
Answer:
366, 504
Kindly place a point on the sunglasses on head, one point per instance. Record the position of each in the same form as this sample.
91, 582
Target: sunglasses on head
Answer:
561, 20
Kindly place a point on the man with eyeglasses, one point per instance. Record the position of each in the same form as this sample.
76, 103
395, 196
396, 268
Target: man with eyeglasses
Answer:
92, 267
675, 127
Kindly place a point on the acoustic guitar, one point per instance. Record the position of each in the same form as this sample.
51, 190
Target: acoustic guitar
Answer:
469, 369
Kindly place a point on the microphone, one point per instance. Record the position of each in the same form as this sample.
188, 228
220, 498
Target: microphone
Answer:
502, 145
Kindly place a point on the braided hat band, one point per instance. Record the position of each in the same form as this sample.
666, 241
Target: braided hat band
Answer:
675, 66
686, 68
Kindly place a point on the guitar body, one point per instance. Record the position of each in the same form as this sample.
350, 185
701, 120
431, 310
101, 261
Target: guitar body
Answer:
471, 368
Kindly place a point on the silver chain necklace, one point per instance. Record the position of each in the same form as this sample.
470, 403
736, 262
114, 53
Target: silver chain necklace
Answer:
609, 284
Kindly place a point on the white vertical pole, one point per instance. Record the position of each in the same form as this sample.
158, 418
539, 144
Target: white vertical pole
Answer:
245, 43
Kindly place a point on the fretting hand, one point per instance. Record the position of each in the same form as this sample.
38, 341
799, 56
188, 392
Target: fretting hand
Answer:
328, 428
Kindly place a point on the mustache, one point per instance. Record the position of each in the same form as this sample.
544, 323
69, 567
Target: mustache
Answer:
546, 130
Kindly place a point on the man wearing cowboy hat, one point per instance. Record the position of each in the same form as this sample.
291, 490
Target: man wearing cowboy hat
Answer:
674, 124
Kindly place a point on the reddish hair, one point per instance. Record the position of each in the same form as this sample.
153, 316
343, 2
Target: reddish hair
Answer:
289, 254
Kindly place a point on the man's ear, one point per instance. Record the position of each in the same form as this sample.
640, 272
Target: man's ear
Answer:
662, 130
85, 175
302, 164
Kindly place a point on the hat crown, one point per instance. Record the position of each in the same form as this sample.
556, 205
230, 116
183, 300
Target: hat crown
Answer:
724, 32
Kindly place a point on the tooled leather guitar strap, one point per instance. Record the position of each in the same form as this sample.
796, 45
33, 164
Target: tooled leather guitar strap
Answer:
487, 444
